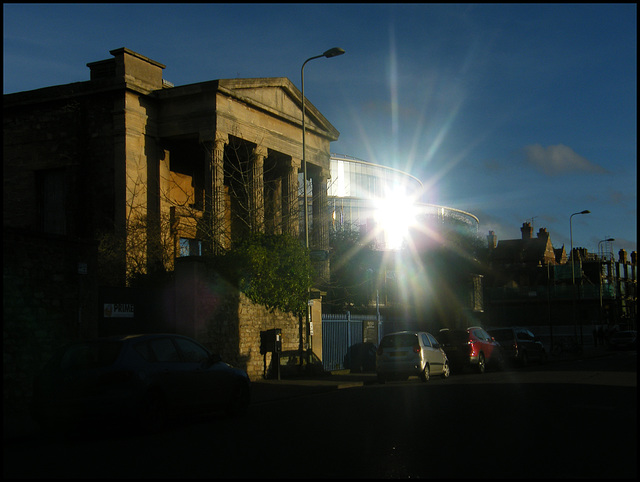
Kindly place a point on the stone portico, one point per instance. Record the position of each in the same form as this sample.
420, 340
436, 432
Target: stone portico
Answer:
199, 165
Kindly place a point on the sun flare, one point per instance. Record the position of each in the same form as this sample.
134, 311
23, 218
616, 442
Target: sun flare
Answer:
395, 215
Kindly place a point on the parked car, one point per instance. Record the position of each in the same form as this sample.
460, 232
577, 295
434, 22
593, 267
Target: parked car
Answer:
519, 345
408, 353
471, 348
624, 340
142, 378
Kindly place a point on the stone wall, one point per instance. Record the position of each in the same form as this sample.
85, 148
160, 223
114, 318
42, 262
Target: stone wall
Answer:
225, 320
49, 298
71, 134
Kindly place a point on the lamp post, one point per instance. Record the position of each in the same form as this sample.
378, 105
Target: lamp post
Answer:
608, 240
573, 276
334, 52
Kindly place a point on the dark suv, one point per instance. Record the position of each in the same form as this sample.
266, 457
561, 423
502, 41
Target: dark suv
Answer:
472, 347
519, 345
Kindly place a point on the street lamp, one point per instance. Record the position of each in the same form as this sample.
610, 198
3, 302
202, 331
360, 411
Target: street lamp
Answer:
334, 52
573, 276
608, 240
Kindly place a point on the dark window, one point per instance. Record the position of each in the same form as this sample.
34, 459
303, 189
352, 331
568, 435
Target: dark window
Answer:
192, 352
52, 200
425, 340
525, 335
145, 351
481, 335
399, 341
164, 350
450, 337
502, 335
190, 247
433, 340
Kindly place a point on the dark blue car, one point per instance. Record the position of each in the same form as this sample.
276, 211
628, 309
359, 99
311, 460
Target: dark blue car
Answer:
519, 344
140, 379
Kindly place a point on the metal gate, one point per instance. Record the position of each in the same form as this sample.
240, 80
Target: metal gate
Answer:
343, 345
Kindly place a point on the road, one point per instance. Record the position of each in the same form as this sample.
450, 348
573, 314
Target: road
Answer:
572, 419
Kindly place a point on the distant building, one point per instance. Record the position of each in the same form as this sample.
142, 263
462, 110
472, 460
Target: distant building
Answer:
527, 251
529, 282
358, 190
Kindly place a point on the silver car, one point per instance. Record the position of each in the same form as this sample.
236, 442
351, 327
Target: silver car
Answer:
408, 353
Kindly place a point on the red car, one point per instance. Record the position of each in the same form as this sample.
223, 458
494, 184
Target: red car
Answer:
472, 347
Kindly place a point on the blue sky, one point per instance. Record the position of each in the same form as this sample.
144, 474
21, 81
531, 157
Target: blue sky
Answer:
511, 112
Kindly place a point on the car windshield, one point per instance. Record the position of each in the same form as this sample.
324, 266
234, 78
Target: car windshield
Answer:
402, 340
94, 354
449, 337
502, 335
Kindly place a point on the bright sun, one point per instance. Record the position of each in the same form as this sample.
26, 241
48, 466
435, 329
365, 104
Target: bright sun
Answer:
395, 214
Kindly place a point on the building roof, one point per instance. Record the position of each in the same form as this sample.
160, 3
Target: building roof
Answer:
528, 250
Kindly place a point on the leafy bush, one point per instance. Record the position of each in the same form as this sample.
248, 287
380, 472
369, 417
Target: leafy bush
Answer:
273, 270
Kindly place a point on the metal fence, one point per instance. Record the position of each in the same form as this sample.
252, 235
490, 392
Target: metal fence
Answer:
349, 341
346, 343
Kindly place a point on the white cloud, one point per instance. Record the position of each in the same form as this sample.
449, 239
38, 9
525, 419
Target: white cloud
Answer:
558, 159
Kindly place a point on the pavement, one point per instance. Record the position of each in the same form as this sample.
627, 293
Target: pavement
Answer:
20, 425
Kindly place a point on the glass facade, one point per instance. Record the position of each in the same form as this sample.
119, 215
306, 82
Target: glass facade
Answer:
359, 191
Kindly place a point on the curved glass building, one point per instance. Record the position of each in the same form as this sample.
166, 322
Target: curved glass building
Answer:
380, 201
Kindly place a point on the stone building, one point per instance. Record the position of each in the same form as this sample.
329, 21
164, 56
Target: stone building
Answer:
530, 283
157, 172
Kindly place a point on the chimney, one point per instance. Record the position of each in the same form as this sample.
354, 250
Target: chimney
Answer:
543, 233
131, 67
623, 256
492, 240
527, 231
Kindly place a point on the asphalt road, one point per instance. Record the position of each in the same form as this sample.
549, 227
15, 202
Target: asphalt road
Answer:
572, 419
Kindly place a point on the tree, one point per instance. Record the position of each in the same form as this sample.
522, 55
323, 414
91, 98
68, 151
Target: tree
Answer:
354, 269
272, 270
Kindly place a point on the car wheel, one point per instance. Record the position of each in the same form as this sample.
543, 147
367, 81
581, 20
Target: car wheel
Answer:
381, 378
240, 398
481, 363
446, 371
424, 376
153, 416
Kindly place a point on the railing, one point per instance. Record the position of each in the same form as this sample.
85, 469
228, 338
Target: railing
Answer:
342, 341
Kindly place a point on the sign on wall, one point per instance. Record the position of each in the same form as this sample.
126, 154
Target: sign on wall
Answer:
118, 310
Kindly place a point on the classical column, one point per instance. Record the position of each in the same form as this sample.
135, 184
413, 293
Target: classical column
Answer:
221, 229
290, 198
256, 189
214, 203
273, 206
